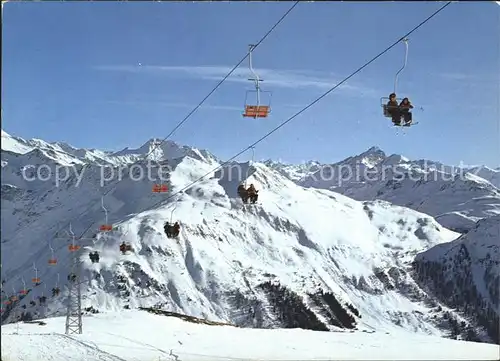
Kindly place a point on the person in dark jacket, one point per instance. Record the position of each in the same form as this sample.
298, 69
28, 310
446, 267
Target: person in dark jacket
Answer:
393, 109
242, 192
252, 194
176, 229
404, 108
168, 229
124, 247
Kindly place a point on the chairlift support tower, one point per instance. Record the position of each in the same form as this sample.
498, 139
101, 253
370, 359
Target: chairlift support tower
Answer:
74, 310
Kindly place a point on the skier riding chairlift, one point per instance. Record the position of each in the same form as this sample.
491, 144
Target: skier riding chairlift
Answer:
172, 231
250, 194
125, 247
393, 108
94, 257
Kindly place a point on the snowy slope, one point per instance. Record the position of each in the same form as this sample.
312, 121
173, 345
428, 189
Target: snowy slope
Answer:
295, 172
465, 273
490, 174
307, 258
456, 197
136, 335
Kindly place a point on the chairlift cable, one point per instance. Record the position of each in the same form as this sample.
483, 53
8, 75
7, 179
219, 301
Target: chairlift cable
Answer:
310, 104
253, 47
280, 20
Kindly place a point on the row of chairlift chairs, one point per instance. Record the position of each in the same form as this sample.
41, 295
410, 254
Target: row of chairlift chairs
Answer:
19, 295
36, 280
171, 230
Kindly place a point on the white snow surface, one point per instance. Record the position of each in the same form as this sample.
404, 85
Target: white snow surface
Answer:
136, 335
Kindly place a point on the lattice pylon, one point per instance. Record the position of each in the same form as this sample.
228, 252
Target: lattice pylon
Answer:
74, 311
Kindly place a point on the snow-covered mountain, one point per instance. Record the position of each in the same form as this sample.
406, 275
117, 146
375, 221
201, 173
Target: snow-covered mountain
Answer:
64, 154
302, 257
295, 172
456, 197
465, 273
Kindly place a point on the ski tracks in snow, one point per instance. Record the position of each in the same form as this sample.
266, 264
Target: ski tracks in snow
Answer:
44, 344
102, 355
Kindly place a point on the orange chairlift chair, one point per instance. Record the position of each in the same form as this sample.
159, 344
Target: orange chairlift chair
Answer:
73, 247
106, 227
52, 259
254, 106
36, 279
157, 187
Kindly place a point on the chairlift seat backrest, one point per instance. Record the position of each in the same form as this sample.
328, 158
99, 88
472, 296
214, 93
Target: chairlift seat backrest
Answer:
385, 107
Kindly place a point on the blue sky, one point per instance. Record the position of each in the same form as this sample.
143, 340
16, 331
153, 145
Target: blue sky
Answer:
114, 74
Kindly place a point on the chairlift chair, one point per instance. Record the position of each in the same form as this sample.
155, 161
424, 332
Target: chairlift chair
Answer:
255, 107
384, 100
160, 188
106, 227
383, 104
52, 259
260, 110
73, 248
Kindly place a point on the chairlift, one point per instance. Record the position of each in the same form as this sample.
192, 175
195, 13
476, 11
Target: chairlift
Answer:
157, 187
254, 105
125, 247
24, 291
56, 290
36, 279
170, 227
160, 188
72, 247
106, 227
385, 100
52, 259
13, 298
